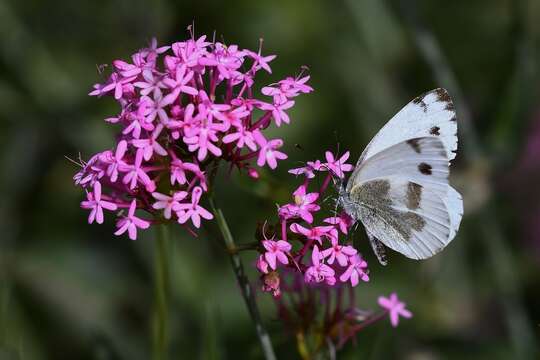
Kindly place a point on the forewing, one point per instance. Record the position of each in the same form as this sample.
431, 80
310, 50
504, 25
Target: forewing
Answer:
430, 114
404, 215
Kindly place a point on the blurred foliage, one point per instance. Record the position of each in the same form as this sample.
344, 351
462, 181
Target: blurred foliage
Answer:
73, 291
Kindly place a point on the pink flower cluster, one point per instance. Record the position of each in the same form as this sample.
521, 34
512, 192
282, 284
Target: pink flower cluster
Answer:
331, 261
183, 109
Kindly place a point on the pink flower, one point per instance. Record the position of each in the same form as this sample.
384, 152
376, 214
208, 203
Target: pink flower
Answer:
168, 202
242, 137
308, 170
225, 59
151, 84
115, 82
315, 233
395, 308
97, 205
276, 250
292, 87
303, 207
115, 161
338, 166
126, 69
268, 153
202, 139
355, 271
343, 222
278, 110
178, 84
193, 211
178, 170
261, 61
155, 107
130, 223
338, 252
318, 271
135, 173
151, 145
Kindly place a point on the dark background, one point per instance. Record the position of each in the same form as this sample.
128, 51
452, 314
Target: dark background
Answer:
69, 290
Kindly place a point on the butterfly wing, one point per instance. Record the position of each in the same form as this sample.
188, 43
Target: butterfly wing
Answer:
419, 213
430, 114
403, 215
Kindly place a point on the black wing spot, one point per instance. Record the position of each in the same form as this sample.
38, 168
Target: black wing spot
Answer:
420, 101
442, 96
435, 131
425, 168
414, 143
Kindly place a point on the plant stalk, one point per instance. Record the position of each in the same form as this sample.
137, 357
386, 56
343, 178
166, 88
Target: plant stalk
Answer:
160, 325
243, 282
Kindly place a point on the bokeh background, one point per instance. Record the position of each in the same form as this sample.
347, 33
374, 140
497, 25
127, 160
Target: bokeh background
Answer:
69, 290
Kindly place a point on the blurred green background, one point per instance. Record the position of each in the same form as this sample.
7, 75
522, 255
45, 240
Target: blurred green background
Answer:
69, 290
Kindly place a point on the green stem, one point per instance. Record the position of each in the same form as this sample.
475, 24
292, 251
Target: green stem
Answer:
161, 294
243, 282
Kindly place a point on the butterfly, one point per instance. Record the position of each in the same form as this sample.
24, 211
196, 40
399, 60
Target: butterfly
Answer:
399, 188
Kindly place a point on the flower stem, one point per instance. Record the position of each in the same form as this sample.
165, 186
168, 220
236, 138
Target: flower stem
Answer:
243, 282
160, 343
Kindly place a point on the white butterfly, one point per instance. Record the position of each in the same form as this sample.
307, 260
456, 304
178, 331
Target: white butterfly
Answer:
399, 189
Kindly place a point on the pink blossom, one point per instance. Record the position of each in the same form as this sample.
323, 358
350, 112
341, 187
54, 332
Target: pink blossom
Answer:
316, 232
167, 203
338, 252
292, 87
155, 107
192, 211
115, 82
202, 139
343, 222
225, 59
276, 250
138, 120
178, 170
303, 207
338, 166
278, 110
150, 145
318, 271
213, 110
151, 84
395, 308
179, 84
97, 205
261, 61
153, 49
355, 271
268, 153
135, 174
115, 161
126, 69
130, 223
242, 137
308, 170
